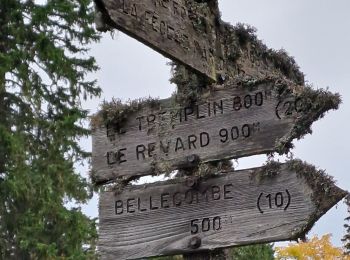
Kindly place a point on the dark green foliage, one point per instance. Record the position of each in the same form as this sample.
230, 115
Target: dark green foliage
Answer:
256, 252
346, 239
42, 84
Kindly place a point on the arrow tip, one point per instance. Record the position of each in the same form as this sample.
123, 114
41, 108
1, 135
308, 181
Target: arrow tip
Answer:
325, 194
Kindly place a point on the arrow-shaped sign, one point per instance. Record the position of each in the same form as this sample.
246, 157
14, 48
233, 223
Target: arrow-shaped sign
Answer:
273, 203
240, 120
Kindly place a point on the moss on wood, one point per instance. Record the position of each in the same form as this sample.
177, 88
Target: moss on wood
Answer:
314, 105
269, 170
116, 112
325, 193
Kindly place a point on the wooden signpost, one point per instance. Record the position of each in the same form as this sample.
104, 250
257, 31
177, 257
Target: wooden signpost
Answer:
259, 105
259, 205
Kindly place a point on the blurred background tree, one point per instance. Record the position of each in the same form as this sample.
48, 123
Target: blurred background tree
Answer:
346, 238
43, 66
255, 252
315, 249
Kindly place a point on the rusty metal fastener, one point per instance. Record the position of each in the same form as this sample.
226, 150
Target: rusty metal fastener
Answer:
195, 243
191, 181
193, 158
122, 131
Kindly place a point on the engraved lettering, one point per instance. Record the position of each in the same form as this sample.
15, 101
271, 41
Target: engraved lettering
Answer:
116, 157
134, 10
150, 119
179, 145
119, 207
215, 192
165, 148
151, 205
170, 32
198, 113
227, 191
155, 23
140, 150
192, 139
218, 106
204, 139
139, 205
130, 205
140, 118
164, 200
163, 28
177, 199
188, 112
148, 17
151, 149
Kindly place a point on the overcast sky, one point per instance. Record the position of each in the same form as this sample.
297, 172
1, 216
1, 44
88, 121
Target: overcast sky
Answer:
315, 32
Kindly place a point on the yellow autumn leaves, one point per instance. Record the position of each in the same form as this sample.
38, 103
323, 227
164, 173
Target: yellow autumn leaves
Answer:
315, 249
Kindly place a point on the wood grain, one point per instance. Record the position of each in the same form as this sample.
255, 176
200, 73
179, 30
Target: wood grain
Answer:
170, 28
250, 206
231, 123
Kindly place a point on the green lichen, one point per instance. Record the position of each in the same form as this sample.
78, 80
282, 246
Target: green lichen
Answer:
325, 194
203, 14
269, 170
242, 45
190, 85
314, 105
204, 170
115, 113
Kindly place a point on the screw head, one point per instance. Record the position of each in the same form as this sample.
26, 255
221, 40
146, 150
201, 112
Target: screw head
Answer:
195, 243
193, 158
190, 182
122, 131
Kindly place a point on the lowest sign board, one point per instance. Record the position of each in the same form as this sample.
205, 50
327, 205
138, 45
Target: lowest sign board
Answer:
273, 203
236, 121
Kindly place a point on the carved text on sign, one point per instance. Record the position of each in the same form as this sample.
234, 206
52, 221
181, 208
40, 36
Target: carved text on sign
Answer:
231, 123
232, 208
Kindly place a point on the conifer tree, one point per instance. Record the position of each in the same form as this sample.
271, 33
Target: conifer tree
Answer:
254, 252
43, 68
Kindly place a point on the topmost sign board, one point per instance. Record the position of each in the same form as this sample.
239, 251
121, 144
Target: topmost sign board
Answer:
177, 30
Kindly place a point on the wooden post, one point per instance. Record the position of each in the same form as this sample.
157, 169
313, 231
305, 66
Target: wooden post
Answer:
219, 254
198, 256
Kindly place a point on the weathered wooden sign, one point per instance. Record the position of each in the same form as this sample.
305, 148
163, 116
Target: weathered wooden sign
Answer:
231, 123
174, 28
275, 203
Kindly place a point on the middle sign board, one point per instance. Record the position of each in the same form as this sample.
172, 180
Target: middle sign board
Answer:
233, 122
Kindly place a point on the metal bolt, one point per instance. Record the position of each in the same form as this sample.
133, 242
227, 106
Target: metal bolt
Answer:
221, 78
192, 158
122, 131
195, 243
190, 182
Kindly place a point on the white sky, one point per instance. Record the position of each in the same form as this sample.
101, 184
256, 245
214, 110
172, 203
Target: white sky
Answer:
315, 32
